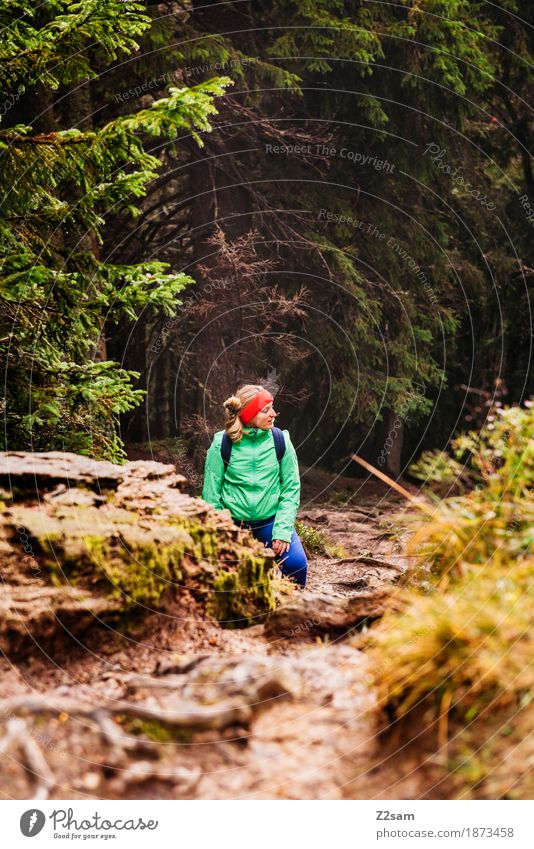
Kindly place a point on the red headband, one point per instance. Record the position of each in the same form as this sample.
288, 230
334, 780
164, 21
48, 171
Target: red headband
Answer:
253, 407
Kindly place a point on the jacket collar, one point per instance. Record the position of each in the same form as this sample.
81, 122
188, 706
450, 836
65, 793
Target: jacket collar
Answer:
260, 434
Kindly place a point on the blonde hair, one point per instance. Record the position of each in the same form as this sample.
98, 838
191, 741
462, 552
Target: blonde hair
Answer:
234, 404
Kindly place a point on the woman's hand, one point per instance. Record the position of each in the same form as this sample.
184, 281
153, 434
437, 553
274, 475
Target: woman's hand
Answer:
279, 546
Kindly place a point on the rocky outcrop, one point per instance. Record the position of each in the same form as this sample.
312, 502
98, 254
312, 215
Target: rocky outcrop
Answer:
318, 613
83, 541
169, 704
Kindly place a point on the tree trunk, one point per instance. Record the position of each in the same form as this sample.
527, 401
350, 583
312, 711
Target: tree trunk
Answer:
390, 442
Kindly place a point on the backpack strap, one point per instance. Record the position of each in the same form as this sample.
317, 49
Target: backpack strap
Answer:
226, 449
279, 443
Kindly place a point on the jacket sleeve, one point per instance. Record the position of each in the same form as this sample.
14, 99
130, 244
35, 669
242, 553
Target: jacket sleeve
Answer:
289, 493
213, 475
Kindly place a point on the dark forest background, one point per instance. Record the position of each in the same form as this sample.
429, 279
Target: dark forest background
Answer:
334, 199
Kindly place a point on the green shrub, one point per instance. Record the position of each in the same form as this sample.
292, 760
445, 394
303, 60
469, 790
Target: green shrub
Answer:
493, 524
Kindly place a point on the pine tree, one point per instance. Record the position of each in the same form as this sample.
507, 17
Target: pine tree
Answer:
57, 187
376, 80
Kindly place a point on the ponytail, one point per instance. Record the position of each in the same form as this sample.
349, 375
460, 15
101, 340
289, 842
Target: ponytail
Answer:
233, 405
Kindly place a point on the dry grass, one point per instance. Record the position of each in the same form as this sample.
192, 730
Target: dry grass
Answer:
472, 531
463, 648
282, 588
459, 640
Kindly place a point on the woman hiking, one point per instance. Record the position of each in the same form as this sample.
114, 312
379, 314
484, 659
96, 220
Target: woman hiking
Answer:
252, 470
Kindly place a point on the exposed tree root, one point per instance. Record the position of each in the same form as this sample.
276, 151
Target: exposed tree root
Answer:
371, 561
18, 736
140, 772
190, 716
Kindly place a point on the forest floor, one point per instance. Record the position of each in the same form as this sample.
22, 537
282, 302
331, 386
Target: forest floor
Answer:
314, 731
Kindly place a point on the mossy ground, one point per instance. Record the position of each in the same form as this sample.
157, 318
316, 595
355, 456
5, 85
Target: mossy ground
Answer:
158, 732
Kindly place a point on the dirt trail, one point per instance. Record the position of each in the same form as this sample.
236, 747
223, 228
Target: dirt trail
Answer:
311, 725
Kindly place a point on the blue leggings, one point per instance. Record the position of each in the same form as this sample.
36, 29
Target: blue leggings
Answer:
293, 563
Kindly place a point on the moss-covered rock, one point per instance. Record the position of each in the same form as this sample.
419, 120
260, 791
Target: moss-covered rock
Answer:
136, 543
242, 597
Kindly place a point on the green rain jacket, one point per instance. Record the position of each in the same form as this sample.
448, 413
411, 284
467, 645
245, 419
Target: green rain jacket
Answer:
255, 485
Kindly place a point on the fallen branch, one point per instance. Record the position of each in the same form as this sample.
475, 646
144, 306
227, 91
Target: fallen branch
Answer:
417, 502
120, 743
135, 681
15, 731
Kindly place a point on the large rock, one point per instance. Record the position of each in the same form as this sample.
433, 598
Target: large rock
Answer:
318, 613
34, 472
82, 540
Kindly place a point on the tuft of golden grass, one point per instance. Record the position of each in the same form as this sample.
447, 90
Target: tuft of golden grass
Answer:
466, 647
474, 530
282, 588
